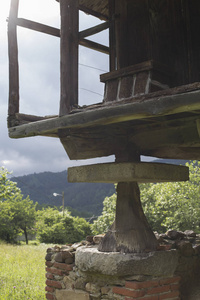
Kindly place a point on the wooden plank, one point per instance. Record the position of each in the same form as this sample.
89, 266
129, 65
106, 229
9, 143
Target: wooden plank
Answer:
94, 46
108, 114
13, 60
128, 172
130, 70
93, 12
69, 55
93, 30
38, 27
187, 153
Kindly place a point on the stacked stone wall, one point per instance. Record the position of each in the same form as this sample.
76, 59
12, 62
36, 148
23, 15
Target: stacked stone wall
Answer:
81, 272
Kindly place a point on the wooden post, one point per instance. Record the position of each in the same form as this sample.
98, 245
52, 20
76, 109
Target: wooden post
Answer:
130, 232
69, 55
13, 60
112, 35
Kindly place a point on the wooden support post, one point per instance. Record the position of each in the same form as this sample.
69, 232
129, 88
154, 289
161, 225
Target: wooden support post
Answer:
69, 55
13, 60
112, 35
130, 233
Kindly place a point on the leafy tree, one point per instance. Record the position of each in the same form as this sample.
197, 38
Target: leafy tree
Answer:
166, 205
17, 215
108, 215
53, 227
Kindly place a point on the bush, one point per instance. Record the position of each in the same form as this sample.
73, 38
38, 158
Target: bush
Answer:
53, 227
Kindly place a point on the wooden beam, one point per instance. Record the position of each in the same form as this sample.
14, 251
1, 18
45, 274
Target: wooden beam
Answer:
109, 114
128, 172
93, 13
93, 30
186, 153
112, 41
13, 60
94, 46
69, 55
38, 27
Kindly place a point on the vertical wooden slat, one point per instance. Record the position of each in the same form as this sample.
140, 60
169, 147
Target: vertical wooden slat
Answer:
112, 35
13, 60
69, 55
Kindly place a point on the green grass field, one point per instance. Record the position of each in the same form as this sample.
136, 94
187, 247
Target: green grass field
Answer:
22, 272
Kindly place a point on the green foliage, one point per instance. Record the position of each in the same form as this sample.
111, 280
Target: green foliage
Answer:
53, 227
174, 205
166, 205
108, 215
17, 215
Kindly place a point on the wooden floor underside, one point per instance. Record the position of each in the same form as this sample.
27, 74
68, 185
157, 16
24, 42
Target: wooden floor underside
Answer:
163, 124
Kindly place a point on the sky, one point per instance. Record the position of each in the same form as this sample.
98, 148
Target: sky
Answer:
39, 86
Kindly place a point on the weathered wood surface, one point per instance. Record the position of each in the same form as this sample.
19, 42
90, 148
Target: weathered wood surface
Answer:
142, 172
13, 60
69, 55
166, 31
130, 233
38, 27
94, 46
138, 108
97, 8
93, 30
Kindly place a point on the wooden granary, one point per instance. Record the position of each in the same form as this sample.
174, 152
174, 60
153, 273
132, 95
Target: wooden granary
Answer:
151, 103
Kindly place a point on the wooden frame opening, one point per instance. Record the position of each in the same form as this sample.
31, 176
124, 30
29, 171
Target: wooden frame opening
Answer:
70, 39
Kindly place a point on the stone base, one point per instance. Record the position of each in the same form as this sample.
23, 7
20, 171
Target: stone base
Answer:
94, 275
158, 263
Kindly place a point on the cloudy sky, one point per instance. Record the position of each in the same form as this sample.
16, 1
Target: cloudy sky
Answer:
39, 86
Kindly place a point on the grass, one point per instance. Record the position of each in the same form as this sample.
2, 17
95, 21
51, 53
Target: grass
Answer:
22, 272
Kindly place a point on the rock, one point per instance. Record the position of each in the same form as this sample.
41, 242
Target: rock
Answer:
158, 263
175, 235
72, 295
196, 249
49, 256
92, 288
185, 248
89, 238
158, 237
64, 256
76, 245
50, 250
97, 238
105, 290
190, 233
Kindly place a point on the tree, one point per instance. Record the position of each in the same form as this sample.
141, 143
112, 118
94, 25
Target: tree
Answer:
166, 205
17, 215
53, 227
108, 215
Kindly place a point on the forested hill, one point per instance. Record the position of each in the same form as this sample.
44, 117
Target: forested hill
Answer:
86, 197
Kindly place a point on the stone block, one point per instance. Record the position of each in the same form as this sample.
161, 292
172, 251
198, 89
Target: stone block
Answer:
158, 263
128, 172
71, 295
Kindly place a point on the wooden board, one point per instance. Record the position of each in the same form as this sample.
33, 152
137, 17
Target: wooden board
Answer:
166, 127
